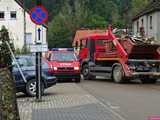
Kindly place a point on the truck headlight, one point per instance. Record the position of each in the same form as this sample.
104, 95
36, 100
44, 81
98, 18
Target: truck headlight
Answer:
55, 68
76, 68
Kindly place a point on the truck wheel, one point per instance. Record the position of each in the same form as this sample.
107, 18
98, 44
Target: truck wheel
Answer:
31, 88
147, 80
86, 73
118, 74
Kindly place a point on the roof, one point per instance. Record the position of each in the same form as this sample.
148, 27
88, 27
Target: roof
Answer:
150, 8
85, 33
20, 3
97, 36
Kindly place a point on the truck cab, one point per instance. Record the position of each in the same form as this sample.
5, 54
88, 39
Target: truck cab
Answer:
97, 55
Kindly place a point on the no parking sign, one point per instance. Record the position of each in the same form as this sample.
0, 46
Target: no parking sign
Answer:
39, 15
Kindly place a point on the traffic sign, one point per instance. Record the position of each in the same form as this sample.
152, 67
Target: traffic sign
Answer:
39, 35
38, 48
39, 15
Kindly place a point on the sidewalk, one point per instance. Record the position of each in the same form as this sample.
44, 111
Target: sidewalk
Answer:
65, 102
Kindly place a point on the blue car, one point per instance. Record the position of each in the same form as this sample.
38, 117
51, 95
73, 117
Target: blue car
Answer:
27, 66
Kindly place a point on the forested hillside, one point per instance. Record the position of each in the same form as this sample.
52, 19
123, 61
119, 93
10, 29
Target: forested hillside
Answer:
66, 16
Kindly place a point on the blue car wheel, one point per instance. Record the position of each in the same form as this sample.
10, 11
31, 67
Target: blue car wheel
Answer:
31, 88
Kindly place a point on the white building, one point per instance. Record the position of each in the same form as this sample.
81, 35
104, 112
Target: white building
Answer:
149, 20
12, 17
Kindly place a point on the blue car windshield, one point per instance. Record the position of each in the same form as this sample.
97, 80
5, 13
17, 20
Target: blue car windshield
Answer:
28, 61
63, 56
25, 62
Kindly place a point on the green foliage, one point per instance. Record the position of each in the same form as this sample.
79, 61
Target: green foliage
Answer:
5, 55
63, 26
72, 16
58, 35
66, 16
22, 51
8, 105
138, 5
105, 8
95, 21
18, 51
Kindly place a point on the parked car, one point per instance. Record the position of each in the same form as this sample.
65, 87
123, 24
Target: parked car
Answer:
27, 65
64, 64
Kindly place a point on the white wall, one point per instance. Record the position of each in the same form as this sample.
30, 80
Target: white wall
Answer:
135, 27
152, 32
155, 31
16, 27
158, 26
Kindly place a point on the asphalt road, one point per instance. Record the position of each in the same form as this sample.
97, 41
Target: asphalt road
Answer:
131, 101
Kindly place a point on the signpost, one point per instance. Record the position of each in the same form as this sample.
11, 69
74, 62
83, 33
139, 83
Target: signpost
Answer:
39, 16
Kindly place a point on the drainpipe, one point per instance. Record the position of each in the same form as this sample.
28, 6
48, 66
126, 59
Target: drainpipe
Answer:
24, 17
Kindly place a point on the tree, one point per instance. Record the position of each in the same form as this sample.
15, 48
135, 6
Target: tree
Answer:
58, 34
105, 8
95, 21
8, 104
63, 26
138, 5
125, 13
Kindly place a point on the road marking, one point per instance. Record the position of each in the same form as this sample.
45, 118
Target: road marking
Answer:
112, 111
113, 106
107, 106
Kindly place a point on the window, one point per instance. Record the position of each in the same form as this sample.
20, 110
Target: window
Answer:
63, 56
151, 26
109, 46
142, 22
105, 45
100, 42
83, 43
1, 15
13, 15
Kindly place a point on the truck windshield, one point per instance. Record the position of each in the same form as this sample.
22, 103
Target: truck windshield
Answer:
66, 56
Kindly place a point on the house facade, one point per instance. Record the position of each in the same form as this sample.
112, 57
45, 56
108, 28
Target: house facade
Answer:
12, 17
149, 21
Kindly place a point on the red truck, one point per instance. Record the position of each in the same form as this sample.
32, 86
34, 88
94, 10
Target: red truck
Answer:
64, 64
119, 59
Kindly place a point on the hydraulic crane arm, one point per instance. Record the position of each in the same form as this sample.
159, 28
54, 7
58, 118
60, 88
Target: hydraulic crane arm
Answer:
118, 46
